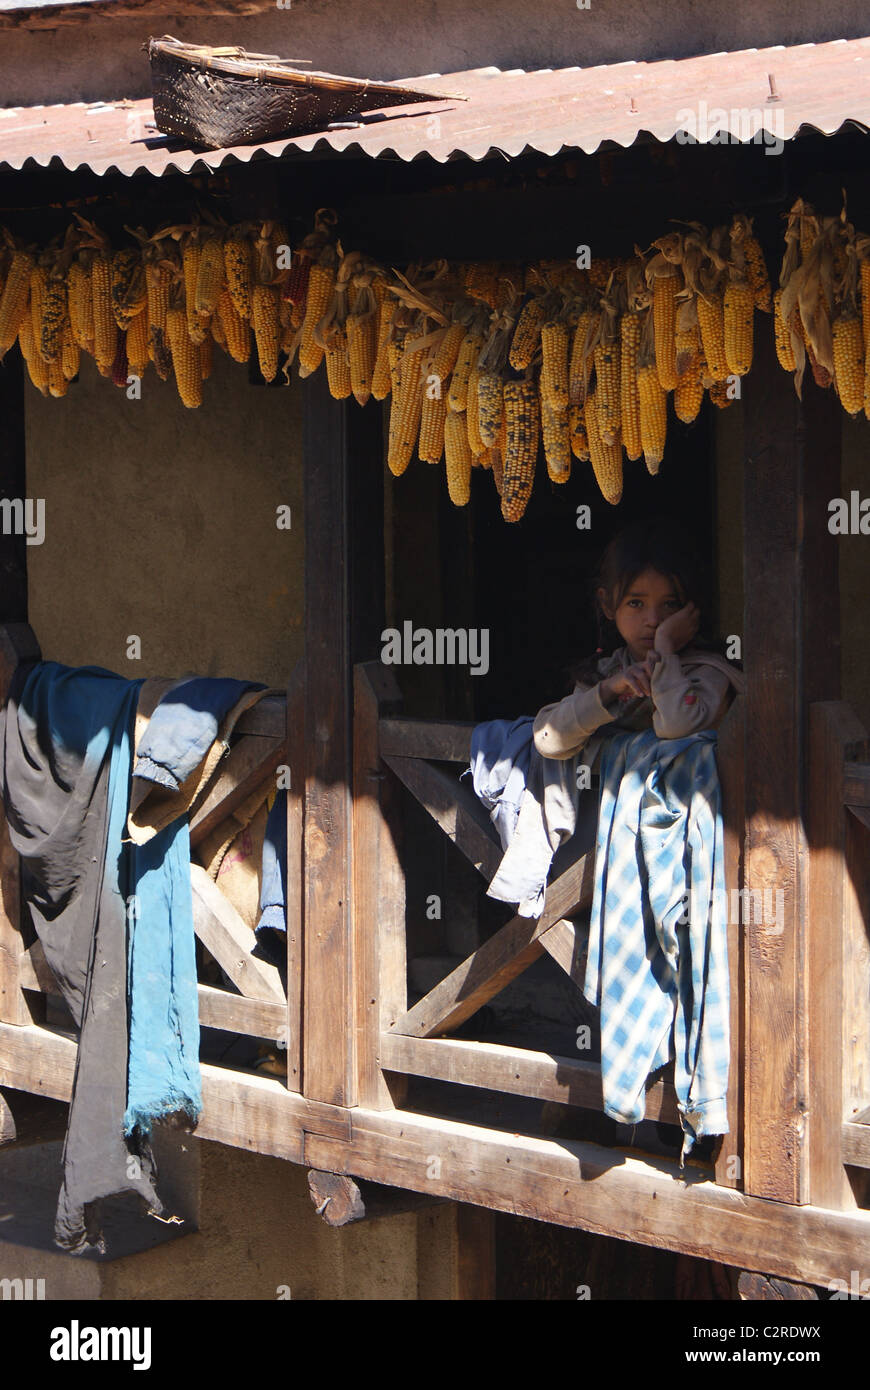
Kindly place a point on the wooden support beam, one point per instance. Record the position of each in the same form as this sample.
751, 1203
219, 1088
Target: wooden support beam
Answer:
499, 960
342, 1201
438, 739
295, 890
730, 755
17, 645
455, 808
751, 1286
254, 760
855, 1143
515, 1070
266, 719
380, 969
231, 941
233, 1013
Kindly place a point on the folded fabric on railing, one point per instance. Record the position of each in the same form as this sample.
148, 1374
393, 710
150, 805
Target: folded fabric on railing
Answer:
272, 926
657, 962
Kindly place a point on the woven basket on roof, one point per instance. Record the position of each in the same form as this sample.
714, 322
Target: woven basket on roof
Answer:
225, 96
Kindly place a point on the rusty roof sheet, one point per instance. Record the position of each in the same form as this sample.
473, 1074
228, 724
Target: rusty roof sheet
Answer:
821, 86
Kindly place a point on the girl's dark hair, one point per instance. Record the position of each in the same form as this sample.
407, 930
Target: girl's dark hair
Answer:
658, 543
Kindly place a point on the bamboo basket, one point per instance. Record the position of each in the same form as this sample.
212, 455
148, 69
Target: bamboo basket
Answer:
224, 96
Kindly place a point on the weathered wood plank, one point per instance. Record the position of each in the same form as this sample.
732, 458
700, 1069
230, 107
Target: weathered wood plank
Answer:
342, 1201
856, 784
235, 1014
454, 808
518, 1071
35, 972
17, 644
855, 1143
758, 1287
266, 719
499, 960
254, 760
295, 890
835, 734
380, 983
229, 939
438, 739
730, 761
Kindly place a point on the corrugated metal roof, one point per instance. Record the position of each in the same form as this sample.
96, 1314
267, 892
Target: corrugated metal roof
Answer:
821, 86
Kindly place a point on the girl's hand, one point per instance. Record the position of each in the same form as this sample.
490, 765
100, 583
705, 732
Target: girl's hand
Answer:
634, 680
677, 630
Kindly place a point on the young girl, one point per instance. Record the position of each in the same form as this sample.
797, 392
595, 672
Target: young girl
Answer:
646, 590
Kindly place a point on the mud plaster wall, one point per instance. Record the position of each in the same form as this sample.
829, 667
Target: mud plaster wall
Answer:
161, 523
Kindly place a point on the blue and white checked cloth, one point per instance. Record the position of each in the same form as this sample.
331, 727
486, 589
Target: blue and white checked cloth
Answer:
657, 969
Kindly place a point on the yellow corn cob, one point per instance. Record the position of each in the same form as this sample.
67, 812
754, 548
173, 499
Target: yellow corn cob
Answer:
554, 365
739, 314
137, 344
579, 439
490, 407
205, 357
580, 365
338, 366
687, 342
15, 301
557, 445
81, 307
653, 416
457, 458
37, 367
381, 379
129, 295
362, 348
607, 392
448, 350
320, 285
629, 405
185, 358
190, 263
210, 276
527, 334
690, 390
216, 328
849, 362
784, 349
395, 352
711, 321
432, 420
70, 353
38, 288
105, 327
496, 463
472, 412
457, 394
25, 334
237, 268
237, 333
54, 315
264, 313
407, 407
665, 290
756, 273
522, 421
865, 302
157, 280
481, 282
57, 382
606, 458
718, 392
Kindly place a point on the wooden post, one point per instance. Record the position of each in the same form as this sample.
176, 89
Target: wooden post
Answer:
730, 759
17, 644
295, 873
792, 459
380, 984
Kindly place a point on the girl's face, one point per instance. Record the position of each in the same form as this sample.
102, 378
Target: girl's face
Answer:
650, 598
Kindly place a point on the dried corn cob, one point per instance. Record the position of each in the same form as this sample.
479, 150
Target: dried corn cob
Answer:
206, 354
54, 316
185, 358
381, 379
264, 313
690, 390
496, 463
527, 334
407, 407
579, 439
81, 306
718, 393
337, 365
70, 353
157, 281
15, 302
191, 255
756, 273
469, 352
522, 421
119, 366
711, 321
607, 392
554, 365
490, 407
129, 295
57, 382
362, 349
580, 365
865, 301
210, 276
557, 445
849, 362
38, 288
606, 458
653, 416
444, 360
457, 458
432, 420
320, 286
105, 327
239, 276
629, 404
37, 368
739, 310
137, 344
784, 349
237, 332
665, 290
472, 412
216, 329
